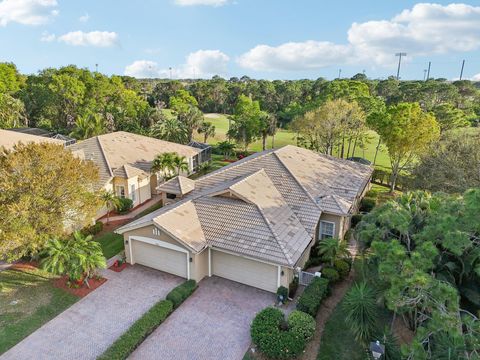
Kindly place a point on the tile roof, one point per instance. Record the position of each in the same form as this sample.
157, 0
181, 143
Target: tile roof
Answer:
127, 171
267, 205
10, 138
179, 185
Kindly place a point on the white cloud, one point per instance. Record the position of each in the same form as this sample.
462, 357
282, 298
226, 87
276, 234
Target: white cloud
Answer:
47, 37
422, 30
201, 2
27, 12
294, 56
92, 38
476, 77
199, 64
84, 18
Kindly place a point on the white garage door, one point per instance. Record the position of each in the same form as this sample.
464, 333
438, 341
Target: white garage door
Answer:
160, 258
245, 271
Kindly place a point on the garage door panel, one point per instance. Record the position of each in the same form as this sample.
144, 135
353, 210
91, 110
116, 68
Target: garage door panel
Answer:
160, 258
245, 271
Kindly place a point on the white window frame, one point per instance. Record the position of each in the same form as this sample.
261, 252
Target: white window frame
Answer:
321, 234
133, 192
119, 189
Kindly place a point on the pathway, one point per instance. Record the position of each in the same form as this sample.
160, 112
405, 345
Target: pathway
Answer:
132, 214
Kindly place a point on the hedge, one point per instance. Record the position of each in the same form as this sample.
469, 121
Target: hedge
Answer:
330, 274
312, 296
302, 324
277, 339
134, 336
343, 268
181, 292
123, 205
367, 204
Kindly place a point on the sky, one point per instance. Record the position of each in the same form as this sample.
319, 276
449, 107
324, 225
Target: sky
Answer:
267, 39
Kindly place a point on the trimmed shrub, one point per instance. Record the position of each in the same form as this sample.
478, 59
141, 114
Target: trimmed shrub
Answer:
302, 323
313, 261
181, 292
356, 219
330, 274
134, 336
92, 229
342, 267
271, 340
283, 291
312, 296
123, 205
292, 287
367, 204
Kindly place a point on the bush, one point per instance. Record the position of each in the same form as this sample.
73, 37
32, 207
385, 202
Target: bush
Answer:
134, 336
330, 274
292, 287
342, 267
283, 291
302, 324
312, 296
367, 204
271, 340
123, 205
92, 229
181, 292
313, 261
356, 219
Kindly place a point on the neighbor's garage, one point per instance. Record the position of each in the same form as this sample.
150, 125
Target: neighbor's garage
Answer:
158, 257
245, 271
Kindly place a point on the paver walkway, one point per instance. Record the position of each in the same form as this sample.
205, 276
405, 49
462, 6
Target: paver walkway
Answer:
87, 328
212, 324
155, 199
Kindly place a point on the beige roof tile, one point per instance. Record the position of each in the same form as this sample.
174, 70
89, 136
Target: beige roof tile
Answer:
179, 185
10, 138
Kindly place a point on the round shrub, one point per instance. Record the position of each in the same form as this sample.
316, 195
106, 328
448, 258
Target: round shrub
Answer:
367, 204
342, 267
123, 205
271, 340
356, 219
302, 324
331, 274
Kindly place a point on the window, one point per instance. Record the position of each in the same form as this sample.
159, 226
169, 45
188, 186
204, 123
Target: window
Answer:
120, 189
327, 230
132, 192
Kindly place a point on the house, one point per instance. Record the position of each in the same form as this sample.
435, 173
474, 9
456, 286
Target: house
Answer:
206, 154
253, 221
10, 138
45, 133
125, 160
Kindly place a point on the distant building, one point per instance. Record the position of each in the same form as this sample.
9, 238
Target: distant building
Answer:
206, 154
8, 139
45, 133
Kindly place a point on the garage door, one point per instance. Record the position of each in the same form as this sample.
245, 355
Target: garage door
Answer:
245, 271
160, 258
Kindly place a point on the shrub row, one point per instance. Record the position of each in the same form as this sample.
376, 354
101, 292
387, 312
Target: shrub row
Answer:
134, 336
278, 339
92, 229
312, 296
181, 292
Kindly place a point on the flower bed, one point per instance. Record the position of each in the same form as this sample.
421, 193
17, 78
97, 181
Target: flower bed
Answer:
81, 291
118, 267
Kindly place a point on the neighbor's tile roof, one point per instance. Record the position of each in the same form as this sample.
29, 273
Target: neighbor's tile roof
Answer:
10, 138
127, 171
265, 206
179, 185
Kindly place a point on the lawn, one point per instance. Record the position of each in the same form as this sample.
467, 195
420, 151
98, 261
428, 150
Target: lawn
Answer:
111, 243
27, 301
285, 137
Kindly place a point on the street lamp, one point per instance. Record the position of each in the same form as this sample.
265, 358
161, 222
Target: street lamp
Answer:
377, 349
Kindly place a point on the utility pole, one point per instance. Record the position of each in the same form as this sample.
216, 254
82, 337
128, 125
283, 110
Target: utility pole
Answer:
461, 71
339, 73
428, 72
424, 74
400, 54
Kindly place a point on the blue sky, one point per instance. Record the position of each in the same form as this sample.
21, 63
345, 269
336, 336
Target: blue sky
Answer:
272, 39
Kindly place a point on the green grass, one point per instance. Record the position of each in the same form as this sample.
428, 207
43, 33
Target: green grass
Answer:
111, 244
149, 210
27, 301
286, 137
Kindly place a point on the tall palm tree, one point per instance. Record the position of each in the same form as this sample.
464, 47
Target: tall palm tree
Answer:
109, 200
207, 129
165, 164
332, 249
87, 126
180, 163
169, 129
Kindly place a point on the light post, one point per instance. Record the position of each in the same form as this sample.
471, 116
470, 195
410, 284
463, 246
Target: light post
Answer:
377, 349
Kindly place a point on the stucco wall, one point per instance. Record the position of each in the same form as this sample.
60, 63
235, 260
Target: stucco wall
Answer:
200, 265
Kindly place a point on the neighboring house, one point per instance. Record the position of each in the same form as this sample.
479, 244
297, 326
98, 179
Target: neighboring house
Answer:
253, 221
125, 160
45, 133
206, 154
10, 138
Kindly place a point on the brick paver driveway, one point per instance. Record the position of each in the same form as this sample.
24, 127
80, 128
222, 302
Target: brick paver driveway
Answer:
213, 323
88, 327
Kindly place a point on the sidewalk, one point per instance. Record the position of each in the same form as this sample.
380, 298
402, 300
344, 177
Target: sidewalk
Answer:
132, 214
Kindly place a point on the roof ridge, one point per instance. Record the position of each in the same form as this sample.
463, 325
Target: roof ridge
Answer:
104, 156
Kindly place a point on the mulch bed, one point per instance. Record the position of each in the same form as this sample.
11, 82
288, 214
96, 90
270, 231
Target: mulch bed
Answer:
25, 265
94, 283
118, 268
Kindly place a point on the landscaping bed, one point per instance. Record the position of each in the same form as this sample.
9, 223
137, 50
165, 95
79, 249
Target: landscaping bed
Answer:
119, 268
81, 290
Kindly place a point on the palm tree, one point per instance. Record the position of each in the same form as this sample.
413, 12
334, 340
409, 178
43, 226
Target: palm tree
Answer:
87, 126
180, 163
207, 129
332, 249
164, 163
226, 148
109, 200
360, 311
169, 129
